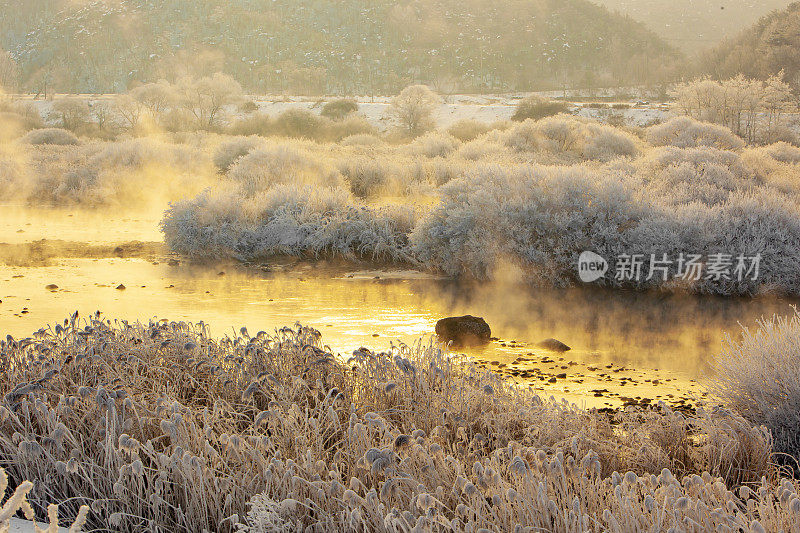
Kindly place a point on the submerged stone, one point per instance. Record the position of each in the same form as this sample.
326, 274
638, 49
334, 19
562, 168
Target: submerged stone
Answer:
554, 345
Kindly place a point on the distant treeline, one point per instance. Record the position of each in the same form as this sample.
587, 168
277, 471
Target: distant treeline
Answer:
320, 47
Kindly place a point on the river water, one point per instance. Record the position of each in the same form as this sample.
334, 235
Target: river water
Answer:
627, 347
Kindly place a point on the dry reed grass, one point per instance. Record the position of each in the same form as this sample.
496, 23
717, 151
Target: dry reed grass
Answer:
161, 428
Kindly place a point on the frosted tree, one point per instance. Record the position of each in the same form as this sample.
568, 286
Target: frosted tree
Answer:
752, 109
207, 97
413, 109
72, 113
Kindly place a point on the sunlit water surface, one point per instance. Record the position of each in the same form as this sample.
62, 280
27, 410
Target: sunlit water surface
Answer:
626, 347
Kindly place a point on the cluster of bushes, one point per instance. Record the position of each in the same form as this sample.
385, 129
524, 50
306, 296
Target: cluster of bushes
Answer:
287, 219
536, 195
572, 139
159, 426
301, 123
17, 118
56, 170
537, 107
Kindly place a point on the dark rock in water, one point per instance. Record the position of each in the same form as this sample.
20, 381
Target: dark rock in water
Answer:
120, 287
554, 345
464, 331
51, 287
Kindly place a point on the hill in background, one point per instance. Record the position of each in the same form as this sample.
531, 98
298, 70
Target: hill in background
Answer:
318, 46
771, 45
693, 25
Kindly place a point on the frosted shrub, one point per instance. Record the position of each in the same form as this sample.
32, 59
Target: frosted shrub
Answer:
782, 152
466, 130
571, 136
278, 164
536, 215
339, 109
368, 177
307, 220
703, 174
165, 428
686, 132
538, 107
759, 376
434, 144
229, 152
128, 173
482, 148
50, 136
361, 139
777, 165
336, 130
14, 178
541, 218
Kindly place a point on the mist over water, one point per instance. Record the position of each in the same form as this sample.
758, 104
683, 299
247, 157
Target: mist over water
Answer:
115, 264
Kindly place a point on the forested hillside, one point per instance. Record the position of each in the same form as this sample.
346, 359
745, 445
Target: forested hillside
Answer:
770, 46
317, 46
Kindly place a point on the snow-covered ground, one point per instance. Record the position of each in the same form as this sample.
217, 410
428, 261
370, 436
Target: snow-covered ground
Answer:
484, 108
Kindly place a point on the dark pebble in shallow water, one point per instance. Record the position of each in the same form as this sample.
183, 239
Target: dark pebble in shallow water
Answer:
120, 287
51, 287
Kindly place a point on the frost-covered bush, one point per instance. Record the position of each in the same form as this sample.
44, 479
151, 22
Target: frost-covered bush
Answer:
483, 148
540, 219
686, 132
434, 144
290, 219
361, 139
339, 109
127, 173
230, 151
467, 130
336, 130
572, 137
783, 152
759, 377
14, 177
537, 217
369, 177
685, 175
538, 107
777, 165
55, 136
281, 163
13, 125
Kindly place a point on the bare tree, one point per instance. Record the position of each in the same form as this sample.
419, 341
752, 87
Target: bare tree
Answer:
129, 110
155, 98
72, 113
